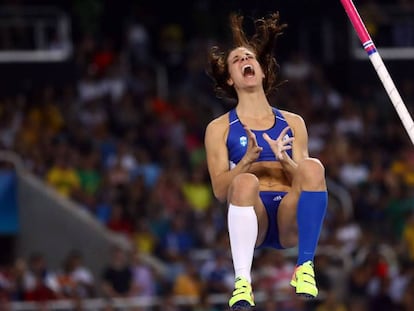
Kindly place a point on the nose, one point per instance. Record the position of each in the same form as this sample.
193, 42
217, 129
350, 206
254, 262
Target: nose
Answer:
244, 58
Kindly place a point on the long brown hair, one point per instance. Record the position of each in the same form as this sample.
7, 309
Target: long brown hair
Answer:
262, 43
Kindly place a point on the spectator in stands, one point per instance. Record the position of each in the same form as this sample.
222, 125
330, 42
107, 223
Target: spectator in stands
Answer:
90, 176
63, 175
136, 198
117, 276
354, 172
119, 222
117, 175
211, 223
93, 116
403, 166
138, 41
398, 206
11, 117
169, 184
178, 240
144, 240
42, 121
400, 282
408, 235
217, 273
187, 283
125, 157
273, 276
67, 285
6, 286
40, 283
148, 168
350, 121
81, 275
18, 272
347, 233
197, 190
144, 278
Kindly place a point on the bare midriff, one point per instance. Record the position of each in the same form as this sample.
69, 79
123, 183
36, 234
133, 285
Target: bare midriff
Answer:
271, 176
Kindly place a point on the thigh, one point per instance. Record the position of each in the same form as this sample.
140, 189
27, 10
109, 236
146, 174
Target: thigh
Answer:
286, 218
262, 220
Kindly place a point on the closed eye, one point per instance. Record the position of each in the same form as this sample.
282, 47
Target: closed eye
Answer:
237, 58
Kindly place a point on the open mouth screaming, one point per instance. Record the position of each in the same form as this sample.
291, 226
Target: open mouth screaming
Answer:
248, 71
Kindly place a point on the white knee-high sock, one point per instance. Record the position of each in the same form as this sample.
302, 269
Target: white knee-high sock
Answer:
243, 228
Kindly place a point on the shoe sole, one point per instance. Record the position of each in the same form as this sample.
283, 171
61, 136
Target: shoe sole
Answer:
306, 296
241, 308
241, 305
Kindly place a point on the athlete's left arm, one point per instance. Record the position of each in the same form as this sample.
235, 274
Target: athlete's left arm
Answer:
300, 149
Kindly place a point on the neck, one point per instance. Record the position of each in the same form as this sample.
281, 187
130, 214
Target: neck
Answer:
253, 104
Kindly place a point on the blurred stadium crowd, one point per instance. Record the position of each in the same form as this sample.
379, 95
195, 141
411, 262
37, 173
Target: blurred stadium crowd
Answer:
129, 150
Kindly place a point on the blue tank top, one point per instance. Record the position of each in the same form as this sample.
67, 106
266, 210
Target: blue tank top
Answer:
237, 138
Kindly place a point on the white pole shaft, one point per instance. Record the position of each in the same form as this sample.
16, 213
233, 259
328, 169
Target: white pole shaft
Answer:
393, 94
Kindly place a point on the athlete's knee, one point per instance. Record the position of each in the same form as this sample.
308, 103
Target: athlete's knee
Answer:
246, 182
311, 174
244, 189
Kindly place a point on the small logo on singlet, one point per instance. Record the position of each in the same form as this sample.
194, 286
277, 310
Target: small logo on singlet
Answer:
286, 137
243, 141
277, 198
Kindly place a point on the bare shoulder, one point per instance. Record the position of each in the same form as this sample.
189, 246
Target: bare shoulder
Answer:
293, 119
219, 124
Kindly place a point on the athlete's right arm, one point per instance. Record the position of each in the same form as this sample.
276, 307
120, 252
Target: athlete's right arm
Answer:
217, 157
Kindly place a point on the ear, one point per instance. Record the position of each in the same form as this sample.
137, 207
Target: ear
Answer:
230, 81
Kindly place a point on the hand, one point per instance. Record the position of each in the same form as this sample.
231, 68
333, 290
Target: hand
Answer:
253, 150
281, 144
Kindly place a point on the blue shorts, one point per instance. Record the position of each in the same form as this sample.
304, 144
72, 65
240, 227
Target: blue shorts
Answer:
271, 201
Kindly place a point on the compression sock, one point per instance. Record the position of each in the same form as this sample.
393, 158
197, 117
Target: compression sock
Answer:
243, 229
311, 211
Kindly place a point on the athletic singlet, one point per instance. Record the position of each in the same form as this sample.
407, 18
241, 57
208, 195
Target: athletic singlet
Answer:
237, 138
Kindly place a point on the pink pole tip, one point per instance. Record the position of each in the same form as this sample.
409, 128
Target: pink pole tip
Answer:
356, 21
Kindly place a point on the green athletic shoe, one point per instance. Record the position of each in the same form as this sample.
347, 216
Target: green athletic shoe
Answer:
303, 280
242, 298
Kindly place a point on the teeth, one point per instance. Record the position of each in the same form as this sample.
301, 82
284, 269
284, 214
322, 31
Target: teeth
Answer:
247, 69
247, 66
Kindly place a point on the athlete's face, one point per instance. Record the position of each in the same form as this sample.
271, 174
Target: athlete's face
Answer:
244, 69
